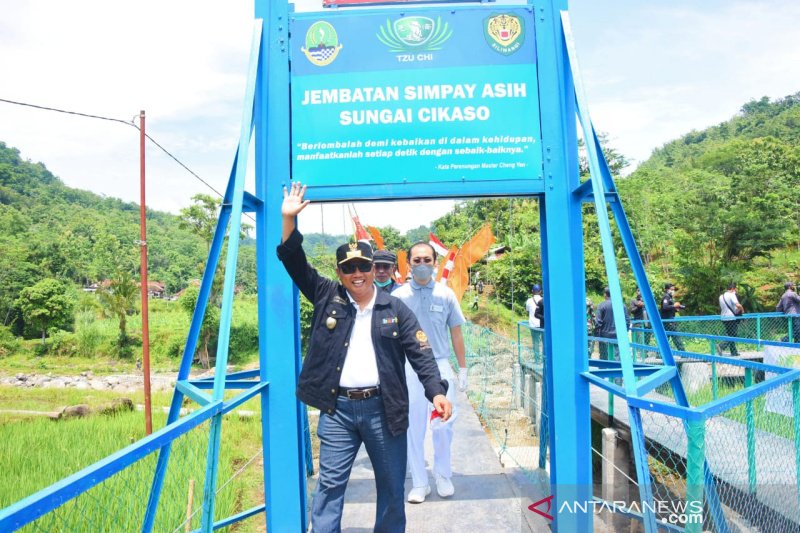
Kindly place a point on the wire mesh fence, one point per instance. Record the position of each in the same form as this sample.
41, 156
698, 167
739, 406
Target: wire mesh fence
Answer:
739, 467
751, 453
712, 335
506, 391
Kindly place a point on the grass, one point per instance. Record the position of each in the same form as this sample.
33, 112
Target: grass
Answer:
38, 452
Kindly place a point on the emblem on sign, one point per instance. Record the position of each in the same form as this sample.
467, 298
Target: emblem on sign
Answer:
322, 44
504, 33
414, 33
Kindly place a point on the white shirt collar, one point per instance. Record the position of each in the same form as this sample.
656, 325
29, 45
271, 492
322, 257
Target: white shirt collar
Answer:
371, 303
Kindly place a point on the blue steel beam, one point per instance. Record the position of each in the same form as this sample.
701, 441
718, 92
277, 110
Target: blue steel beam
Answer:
229, 384
226, 314
191, 345
237, 517
242, 374
188, 389
278, 305
563, 274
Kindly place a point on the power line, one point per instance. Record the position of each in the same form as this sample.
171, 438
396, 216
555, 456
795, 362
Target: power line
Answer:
127, 123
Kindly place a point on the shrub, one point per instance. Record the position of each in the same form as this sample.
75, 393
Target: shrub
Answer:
8, 342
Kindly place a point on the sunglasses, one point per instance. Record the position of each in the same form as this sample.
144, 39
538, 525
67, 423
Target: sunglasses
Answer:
418, 260
383, 266
350, 268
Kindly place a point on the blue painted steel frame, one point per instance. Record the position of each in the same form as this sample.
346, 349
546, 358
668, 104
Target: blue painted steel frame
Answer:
278, 305
563, 275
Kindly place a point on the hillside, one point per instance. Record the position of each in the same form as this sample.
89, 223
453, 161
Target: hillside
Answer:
722, 204
49, 230
713, 206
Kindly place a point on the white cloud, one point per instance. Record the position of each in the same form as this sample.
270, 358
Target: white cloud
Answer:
654, 72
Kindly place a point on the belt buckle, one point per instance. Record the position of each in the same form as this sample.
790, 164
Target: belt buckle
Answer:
352, 394
359, 394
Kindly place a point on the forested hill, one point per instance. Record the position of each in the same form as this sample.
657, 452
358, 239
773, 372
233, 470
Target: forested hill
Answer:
49, 230
723, 204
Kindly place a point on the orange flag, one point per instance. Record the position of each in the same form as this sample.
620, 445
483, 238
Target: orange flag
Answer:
459, 277
478, 246
402, 265
472, 251
376, 236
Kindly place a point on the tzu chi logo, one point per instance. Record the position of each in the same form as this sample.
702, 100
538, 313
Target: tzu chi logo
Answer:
322, 44
504, 33
415, 33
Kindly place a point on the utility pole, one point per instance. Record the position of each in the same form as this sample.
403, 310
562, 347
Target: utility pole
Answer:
148, 414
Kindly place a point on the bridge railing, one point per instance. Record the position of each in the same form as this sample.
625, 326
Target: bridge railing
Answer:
115, 493
731, 457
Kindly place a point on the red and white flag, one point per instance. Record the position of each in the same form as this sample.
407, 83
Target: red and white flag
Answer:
437, 245
360, 233
449, 264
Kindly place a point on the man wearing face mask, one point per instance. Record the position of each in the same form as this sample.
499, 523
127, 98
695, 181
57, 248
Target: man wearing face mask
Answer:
439, 312
385, 265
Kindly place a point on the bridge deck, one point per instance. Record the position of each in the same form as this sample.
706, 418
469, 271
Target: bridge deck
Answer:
488, 498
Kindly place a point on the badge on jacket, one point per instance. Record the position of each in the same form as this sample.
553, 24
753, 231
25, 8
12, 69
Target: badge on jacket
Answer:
330, 323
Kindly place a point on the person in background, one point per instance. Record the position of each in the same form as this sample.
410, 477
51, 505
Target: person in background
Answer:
789, 304
439, 313
531, 305
729, 311
637, 312
353, 372
604, 325
669, 307
385, 267
590, 324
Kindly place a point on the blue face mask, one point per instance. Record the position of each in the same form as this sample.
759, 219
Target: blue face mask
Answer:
422, 273
383, 283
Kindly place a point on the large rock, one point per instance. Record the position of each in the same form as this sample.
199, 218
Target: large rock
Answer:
76, 411
116, 406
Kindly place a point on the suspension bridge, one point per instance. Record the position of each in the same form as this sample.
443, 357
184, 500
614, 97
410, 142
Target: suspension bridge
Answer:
524, 56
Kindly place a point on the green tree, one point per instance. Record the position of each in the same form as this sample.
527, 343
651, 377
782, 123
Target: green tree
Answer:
201, 217
210, 327
119, 300
393, 240
48, 304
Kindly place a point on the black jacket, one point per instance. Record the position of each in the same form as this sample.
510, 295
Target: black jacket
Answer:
668, 308
396, 335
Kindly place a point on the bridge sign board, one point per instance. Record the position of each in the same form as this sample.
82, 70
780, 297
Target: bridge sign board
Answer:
423, 95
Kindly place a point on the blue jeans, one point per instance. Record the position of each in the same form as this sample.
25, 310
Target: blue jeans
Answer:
341, 435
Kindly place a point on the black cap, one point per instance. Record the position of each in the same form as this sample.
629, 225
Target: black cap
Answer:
668, 286
359, 251
383, 256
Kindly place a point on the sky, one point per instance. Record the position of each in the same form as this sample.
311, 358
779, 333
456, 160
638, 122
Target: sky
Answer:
652, 71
